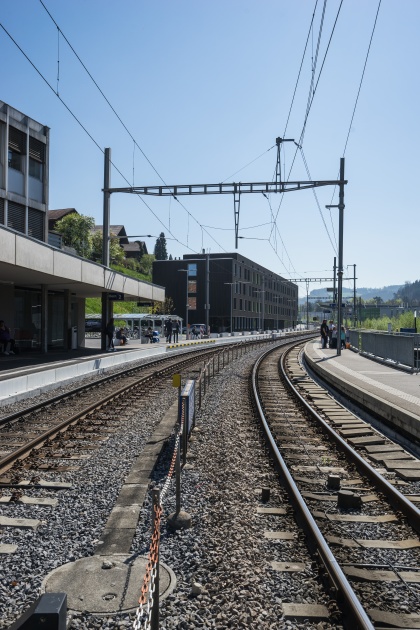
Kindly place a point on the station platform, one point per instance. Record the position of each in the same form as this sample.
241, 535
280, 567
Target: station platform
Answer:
30, 372
386, 392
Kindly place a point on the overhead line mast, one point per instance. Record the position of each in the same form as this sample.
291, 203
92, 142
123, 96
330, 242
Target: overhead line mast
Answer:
240, 188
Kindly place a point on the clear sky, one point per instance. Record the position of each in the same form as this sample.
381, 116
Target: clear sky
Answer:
200, 90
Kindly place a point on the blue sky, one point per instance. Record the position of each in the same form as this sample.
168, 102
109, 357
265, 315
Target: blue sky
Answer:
204, 88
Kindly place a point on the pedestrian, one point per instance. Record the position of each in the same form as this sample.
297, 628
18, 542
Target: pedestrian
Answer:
330, 331
343, 337
334, 337
122, 338
6, 339
149, 334
168, 330
175, 330
110, 330
324, 333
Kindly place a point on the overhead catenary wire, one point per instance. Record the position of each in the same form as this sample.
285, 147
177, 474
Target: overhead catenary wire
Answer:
122, 122
311, 96
85, 130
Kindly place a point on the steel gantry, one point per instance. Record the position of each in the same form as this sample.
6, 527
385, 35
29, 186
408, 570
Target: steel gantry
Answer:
236, 189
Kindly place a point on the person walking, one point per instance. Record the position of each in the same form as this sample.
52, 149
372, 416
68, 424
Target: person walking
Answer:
175, 330
324, 333
110, 330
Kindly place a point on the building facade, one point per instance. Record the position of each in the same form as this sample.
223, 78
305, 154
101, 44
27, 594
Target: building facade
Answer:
43, 287
24, 155
229, 292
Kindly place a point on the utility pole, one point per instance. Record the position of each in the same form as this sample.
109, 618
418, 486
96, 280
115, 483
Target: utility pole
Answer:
335, 283
105, 240
207, 292
340, 207
307, 305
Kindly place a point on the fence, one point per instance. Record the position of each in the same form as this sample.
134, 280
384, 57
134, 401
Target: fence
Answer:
403, 349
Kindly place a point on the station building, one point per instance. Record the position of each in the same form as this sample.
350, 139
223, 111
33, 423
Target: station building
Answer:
43, 287
238, 294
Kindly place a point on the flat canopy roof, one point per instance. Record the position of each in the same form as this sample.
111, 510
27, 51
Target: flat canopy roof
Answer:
30, 263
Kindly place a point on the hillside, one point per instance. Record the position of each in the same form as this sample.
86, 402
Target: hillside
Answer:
386, 293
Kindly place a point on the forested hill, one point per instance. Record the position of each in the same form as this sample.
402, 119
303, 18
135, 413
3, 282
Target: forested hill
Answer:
410, 292
385, 293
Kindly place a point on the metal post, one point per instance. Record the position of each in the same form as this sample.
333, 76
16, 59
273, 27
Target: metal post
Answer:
340, 253
178, 478
154, 622
207, 293
184, 433
307, 305
354, 296
107, 204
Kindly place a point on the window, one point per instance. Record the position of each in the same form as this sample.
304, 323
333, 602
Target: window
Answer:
36, 224
36, 169
16, 217
15, 160
1, 210
17, 148
36, 158
192, 269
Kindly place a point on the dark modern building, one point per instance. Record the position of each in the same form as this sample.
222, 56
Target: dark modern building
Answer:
228, 291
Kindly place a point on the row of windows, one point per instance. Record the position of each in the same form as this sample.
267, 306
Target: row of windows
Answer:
259, 279
17, 153
256, 307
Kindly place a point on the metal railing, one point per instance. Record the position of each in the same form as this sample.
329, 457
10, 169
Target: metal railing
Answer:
399, 348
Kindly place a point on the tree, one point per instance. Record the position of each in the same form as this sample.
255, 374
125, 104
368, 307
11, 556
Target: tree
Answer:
160, 248
76, 232
116, 252
146, 264
163, 308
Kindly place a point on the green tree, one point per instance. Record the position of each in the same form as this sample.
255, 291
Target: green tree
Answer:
146, 264
160, 251
76, 232
163, 308
116, 252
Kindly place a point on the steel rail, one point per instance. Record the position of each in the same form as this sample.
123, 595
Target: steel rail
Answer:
351, 602
398, 500
23, 451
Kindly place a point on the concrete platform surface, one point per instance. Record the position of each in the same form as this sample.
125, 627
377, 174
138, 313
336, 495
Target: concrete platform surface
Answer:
30, 373
105, 585
387, 392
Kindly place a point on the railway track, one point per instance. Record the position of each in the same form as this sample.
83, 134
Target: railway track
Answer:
47, 429
351, 489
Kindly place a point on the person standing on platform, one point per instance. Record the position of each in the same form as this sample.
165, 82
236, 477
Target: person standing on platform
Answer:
324, 333
175, 330
110, 330
169, 331
343, 337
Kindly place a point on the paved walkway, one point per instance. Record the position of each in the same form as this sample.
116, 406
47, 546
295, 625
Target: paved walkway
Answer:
388, 392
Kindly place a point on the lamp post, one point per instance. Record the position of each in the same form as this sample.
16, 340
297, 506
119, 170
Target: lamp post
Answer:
186, 305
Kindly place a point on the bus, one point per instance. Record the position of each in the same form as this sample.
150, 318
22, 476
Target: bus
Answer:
136, 324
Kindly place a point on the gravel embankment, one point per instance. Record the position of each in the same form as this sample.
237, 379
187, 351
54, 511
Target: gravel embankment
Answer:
222, 564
